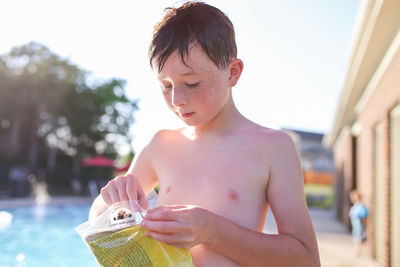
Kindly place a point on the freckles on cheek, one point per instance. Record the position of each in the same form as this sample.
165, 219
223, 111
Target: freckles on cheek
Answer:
205, 93
217, 88
201, 96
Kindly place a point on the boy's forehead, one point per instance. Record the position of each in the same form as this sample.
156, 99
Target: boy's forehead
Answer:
195, 61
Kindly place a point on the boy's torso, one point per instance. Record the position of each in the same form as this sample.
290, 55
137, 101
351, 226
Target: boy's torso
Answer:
227, 175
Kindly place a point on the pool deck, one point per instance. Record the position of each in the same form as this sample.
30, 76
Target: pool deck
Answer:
30, 201
334, 240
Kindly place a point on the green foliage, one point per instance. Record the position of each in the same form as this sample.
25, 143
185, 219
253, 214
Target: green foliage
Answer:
319, 196
157, 188
45, 97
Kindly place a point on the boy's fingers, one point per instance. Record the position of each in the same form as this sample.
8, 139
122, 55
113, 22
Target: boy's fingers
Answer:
156, 209
119, 185
169, 207
180, 245
131, 188
161, 215
177, 207
142, 197
166, 238
144, 203
106, 197
140, 193
161, 226
175, 240
122, 195
114, 195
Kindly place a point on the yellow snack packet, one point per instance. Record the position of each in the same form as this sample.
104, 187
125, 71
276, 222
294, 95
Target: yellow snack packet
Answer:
116, 238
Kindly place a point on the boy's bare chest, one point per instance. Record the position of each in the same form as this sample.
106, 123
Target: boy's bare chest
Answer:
222, 177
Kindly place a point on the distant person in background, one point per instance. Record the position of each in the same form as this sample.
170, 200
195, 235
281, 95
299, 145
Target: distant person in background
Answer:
358, 215
39, 187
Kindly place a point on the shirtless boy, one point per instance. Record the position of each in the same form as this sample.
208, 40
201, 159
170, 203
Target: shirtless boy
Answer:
219, 175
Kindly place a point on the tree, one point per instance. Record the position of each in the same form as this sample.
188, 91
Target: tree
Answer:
47, 104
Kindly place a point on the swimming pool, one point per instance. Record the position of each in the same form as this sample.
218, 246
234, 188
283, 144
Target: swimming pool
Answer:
45, 236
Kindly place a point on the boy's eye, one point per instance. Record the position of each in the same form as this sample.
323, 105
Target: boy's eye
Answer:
166, 88
192, 85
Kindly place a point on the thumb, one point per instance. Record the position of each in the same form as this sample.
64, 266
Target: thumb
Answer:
143, 202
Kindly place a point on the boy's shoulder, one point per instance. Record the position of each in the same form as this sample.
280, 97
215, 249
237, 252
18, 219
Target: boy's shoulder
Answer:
275, 141
275, 145
161, 139
267, 136
252, 133
165, 135
270, 134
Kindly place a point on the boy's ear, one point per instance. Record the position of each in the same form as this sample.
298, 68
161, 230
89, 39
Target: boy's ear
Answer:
236, 68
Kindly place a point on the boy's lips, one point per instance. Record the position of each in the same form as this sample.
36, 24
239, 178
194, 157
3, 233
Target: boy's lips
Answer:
187, 115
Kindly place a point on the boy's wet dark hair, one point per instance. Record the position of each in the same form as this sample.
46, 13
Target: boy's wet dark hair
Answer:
193, 22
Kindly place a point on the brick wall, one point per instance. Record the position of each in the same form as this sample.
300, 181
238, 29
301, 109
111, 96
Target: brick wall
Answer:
376, 111
343, 175
373, 155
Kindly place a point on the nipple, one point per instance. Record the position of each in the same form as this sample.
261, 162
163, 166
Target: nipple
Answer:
233, 194
168, 189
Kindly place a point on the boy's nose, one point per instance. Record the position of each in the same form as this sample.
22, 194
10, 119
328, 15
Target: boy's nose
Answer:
178, 98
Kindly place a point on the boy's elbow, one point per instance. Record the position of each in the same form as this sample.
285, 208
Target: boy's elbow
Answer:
309, 258
313, 257
310, 253
316, 261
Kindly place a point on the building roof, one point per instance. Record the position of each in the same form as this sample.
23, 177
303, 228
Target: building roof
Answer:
305, 135
377, 25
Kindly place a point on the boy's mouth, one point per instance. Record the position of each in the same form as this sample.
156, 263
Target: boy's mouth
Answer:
187, 115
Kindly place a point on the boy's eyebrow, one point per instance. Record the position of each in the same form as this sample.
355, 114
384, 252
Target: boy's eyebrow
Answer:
188, 73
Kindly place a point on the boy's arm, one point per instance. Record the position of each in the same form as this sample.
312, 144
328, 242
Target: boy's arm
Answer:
139, 180
295, 245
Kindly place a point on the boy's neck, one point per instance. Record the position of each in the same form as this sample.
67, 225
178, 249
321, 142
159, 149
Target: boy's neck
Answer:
226, 121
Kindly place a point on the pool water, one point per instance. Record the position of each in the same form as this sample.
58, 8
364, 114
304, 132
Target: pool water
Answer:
45, 236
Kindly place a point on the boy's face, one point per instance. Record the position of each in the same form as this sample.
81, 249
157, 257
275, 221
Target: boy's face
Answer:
354, 197
195, 92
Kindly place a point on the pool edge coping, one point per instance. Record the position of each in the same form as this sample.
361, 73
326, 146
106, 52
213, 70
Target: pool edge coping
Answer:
30, 201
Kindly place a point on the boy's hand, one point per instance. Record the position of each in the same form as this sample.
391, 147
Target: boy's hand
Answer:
123, 188
180, 226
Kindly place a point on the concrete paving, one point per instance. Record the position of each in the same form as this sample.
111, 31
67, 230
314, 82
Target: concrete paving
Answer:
334, 241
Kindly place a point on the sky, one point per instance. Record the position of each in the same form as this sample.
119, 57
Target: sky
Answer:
295, 53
